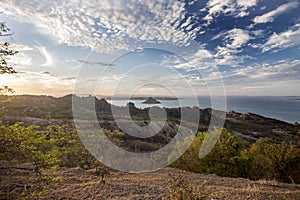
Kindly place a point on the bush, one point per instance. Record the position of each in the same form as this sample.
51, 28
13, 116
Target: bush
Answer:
55, 146
263, 159
266, 160
221, 160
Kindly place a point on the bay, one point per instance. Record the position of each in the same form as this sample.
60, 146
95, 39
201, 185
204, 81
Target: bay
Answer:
278, 107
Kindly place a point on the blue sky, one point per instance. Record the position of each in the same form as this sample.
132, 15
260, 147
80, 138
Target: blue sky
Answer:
248, 47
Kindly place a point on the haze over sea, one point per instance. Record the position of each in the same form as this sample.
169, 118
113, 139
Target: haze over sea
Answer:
278, 107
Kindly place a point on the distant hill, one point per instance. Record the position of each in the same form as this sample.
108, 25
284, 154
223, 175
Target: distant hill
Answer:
42, 109
123, 97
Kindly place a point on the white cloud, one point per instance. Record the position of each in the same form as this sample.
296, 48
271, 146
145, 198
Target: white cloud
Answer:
237, 8
20, 60
199, 60
263, 73
39, 83
283, 40
219, 35
277, 78
234, 40
270, 16
107, 25
48, 58
257, 33
203, 54
20, 47
282, 71
195, 71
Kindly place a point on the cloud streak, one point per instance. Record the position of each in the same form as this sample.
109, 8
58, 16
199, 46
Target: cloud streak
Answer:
29, 82
94, 63
283, 40
270, 16
48, 58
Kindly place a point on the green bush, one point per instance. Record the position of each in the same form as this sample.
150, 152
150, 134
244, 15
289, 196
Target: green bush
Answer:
53, 147
57, 146
263, 159
266, 160
221, 160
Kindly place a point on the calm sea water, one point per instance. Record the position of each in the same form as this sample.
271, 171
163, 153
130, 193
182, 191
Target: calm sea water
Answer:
282, 108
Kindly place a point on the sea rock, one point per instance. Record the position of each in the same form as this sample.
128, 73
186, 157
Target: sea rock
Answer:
151, 100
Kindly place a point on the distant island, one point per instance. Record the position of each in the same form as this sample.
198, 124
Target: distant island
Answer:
163, 98
151, 100
296, 99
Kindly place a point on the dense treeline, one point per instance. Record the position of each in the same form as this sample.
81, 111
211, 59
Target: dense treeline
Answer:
60, 146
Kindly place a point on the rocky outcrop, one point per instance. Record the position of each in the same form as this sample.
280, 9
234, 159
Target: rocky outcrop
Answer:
151, 100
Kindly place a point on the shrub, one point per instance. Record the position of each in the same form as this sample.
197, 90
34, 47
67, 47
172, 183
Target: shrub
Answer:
221, 160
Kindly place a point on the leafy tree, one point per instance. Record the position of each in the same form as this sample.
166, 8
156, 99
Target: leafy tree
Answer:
5, 53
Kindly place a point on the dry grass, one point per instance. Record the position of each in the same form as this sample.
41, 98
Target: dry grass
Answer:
77, 183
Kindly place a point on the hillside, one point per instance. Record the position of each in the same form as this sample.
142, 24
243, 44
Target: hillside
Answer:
76, 183
41, 110
49, 161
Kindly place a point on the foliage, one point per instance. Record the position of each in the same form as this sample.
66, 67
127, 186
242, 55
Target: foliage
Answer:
53, 147
59, 146
5, 89
5, 53
221, 160
263, 159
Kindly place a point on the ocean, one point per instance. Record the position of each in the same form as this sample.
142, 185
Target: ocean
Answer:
282, 108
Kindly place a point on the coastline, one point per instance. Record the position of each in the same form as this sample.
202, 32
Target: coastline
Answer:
277, 107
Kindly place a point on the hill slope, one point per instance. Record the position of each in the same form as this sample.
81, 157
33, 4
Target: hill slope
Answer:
43, 109
77, 183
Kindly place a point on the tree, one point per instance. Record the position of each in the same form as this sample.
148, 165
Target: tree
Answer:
5, 53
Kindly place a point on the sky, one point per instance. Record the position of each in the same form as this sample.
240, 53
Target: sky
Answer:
165, 47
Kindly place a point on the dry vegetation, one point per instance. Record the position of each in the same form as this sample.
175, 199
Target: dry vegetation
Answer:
77, 183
